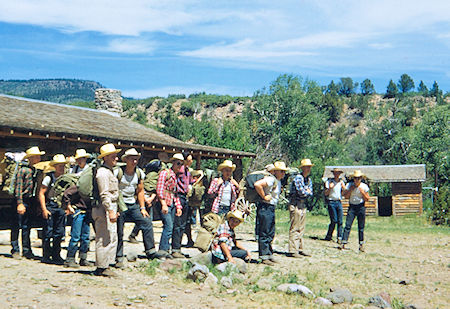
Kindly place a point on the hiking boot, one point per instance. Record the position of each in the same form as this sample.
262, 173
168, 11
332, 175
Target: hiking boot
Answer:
342, 247
119, 264
71, 263
190, 244
56, 251
29, 256
46, 260
16, 256
161, 254
339, 241
361, 248
304, 253
327, 239
84, 262
177, 255
268, 262
132, 239
105, 272
295, 255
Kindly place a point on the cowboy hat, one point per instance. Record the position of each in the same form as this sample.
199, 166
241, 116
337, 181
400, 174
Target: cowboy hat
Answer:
108, 149
237, 214
337, 170
198, 173
81, 153
279, 166
130, 152
269, 167
33, 151
357, 173
177, 156
226, 163
306, 162
58, 159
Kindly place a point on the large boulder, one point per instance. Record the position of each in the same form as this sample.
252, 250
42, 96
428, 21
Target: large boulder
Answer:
295, 288
198, 272
211, 280
203, 258
379, 302
340, 295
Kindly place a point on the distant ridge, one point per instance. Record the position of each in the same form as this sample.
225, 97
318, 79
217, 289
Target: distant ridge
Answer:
53, 90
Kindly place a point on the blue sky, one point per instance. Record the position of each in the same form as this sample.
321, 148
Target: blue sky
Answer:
147, 48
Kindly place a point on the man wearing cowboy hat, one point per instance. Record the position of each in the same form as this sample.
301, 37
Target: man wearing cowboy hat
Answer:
269, 189
225, 247
54, 216
81, 161
358, 194
131, 185
23, 194
224, 189
297, 208
170, 203
333, 193
105, 214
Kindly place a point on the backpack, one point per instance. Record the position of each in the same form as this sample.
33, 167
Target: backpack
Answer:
120, 172
62, 183
247, 186
10, 172
152, 170
87, 184
206, 233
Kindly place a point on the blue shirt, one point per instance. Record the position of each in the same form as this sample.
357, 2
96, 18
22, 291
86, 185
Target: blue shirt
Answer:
302, 184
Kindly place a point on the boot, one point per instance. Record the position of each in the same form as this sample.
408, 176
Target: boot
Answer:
84, 261
56, 252
46, 252
70, 262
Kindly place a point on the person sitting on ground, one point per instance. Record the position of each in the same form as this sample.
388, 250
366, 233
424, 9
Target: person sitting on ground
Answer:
225, 189
225, 247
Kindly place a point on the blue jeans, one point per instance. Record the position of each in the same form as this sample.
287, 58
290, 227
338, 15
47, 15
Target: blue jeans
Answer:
179, 224
54, 225
358, 211
167, 231
335, 212
265, 214
223, 210
79, 232
235, 252
21, 222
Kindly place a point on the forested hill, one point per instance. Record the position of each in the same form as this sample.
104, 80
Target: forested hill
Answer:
53, 90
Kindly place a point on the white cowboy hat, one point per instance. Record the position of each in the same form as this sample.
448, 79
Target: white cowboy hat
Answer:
279, 166
306, 162
81, 153
58, 159
33, 151
226, 163
130, 152
108, 149
237, 214
357, 173
269, 167
337, 170
177, 156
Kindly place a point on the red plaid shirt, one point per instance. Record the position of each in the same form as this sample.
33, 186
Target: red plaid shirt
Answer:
166, 186
217, 190
24, 184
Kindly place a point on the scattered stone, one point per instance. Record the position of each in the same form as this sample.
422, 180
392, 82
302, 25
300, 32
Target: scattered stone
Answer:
264, 283
170, 264
163, 296
323, 302
204, 258
132, 297
405, 282
223, 267
340, 295
358, 306
188, 291
412, 306
55, 285
211, 280
295, 288
386, 297
132, 256
379, 302
198, 272
151, 282
226, 282
117, 303
241, 265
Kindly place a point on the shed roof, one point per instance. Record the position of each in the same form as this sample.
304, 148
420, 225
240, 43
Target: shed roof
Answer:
46, 117
385, 173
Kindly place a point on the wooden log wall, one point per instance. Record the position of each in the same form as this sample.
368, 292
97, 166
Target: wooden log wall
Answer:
371, 206
406, 198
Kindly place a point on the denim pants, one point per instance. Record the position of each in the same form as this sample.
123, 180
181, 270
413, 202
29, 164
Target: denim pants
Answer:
21, 222
179, 224
79, 232
54, 225
236, 253
358, 211
266, 229
335, 212
144, 224
167, 231
223, 210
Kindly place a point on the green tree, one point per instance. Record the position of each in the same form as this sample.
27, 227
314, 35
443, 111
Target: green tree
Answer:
405, 83
435, 91
367, 87
391, 90
423, 89
347, 86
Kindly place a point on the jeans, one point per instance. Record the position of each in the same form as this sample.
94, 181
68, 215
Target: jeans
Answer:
179, 224
166, 234
335, 212
223, 210
21, 222
54, 225
144, 224
266, 229
358, 211
79, 232
238, 253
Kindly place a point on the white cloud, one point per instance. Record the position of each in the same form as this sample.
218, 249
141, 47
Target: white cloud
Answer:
130, 46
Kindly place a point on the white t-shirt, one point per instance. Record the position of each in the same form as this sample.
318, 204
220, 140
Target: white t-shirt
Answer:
336, 192
76, 169
226, 194
128, 185
356, 196
273, 188
46, 181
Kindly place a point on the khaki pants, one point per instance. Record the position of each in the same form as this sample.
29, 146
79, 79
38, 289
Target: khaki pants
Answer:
297, 228
105, 238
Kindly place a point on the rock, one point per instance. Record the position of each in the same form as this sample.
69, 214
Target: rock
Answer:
204, 258
163, 295
379, 302
411, 306
211, 280
223, 267
151, 282
117, 303
226, 282
295, 288
170, 264
132, 256
264, 283
405, 282
323, 302
386, 297
358, 306
241, 265
198, 272
340, 295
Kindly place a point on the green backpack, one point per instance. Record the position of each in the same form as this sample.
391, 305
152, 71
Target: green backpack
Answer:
62, 183
87, 184
9, 176
248, 186
153, 169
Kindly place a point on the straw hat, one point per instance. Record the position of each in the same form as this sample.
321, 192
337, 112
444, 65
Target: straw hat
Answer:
81, 153
306, 162
337, 170
33, 151
130, 152
237, 214
198, 173
108, 149
279, 166
58, 159
177, 156
269, 167
226, 163
357, 173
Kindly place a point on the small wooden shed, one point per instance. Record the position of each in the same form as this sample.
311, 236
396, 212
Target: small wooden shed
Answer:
406, 181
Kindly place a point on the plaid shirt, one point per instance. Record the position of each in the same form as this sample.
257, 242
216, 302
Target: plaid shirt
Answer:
301, 185
225, 235
165, 189
24, 184
214, 188
184, 180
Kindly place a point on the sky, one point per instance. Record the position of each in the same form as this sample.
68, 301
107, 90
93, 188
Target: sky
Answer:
147, 48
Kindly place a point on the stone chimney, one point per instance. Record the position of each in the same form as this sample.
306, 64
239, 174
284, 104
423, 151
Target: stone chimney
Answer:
109, 100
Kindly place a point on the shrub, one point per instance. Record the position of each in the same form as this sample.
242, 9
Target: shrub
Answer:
440, 210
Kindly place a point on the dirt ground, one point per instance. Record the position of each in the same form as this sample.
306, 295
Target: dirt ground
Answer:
404, 249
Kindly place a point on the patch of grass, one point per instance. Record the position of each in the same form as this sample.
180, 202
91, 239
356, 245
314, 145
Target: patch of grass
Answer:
397, 303
47, 290
312, 276
288, 278
267, 271
151, 267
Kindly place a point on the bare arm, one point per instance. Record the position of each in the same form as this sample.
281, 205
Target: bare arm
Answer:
259, 187
364, 194
226, 252
45, 212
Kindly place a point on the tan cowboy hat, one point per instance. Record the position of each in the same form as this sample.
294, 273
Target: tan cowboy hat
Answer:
226, 163
269, 167
130, 152
108, 149
81, 153
177, 156
306, 162
33, 151
237, 214
279, 166
58, 159
337, 170
357, 173
198, 173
